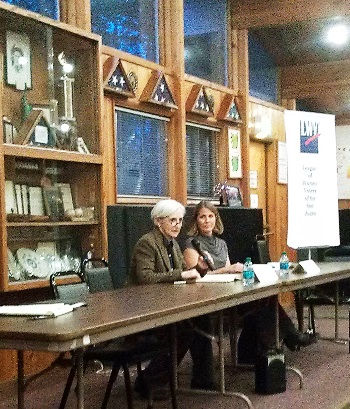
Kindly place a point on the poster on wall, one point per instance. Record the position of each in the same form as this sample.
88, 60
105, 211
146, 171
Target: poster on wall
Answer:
312, 180
234, 154
342, 134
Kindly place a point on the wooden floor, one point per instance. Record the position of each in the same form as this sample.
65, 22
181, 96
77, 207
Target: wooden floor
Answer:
325, 367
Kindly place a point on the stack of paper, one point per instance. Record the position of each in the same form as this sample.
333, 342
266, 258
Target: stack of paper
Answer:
38, 310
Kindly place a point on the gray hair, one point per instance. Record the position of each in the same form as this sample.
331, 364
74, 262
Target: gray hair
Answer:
165, 208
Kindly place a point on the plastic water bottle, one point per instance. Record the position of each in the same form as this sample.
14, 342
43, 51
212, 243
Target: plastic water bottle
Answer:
284, 266
248, 273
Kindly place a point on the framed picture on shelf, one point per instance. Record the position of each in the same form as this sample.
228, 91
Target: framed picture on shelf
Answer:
53, 202
234, 198
67, 197
234, 154
18, 60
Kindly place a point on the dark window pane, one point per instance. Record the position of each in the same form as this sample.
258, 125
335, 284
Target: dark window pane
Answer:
48, 8
206, 39
263, 76
201, 161
128, 25
141, 155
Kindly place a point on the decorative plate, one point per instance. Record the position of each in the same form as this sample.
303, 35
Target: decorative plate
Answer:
31, 263
13, 269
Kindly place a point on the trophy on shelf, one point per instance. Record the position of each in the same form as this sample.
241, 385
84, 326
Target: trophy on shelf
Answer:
66, 133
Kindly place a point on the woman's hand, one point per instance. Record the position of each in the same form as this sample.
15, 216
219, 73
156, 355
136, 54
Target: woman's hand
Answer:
190, 275
202, 263
235, 268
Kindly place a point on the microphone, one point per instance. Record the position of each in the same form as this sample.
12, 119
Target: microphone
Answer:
196, 244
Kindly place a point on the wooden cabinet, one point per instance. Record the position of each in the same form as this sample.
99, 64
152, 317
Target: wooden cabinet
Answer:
50, 151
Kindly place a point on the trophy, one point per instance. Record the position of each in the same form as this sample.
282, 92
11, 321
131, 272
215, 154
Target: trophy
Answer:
67, 123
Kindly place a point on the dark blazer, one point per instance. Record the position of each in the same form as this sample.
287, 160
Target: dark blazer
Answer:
150, 261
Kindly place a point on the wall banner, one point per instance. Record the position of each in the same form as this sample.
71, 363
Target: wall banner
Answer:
313, 219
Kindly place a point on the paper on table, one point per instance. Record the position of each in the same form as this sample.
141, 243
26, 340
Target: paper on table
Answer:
265, 273
310, 267
219, 278
35, 310
216, 278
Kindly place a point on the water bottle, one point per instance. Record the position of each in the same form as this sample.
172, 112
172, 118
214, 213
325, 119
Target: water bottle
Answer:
248, 273
284, 266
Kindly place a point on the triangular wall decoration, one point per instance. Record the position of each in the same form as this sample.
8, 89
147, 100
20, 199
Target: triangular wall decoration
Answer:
115, 78
157, 91
229, 110
199, 102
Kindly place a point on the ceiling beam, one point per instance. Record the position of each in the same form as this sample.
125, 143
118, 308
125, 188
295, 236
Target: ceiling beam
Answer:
263, 13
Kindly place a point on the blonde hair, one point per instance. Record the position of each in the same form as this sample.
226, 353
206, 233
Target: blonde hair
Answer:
205, 204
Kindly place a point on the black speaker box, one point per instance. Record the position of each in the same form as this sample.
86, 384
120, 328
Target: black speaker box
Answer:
270, 373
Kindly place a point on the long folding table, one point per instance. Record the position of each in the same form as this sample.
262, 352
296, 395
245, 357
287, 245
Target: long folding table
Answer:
130, 310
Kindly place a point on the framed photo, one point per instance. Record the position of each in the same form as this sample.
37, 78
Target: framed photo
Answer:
67, 197
53, 202
18, 60
234, 198
234, 154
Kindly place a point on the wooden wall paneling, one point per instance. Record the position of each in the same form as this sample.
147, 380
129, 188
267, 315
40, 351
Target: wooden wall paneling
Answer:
276, 194
313, 79
3, 231
76, 13
232, 53
222, 154
259, 13
257, 160
243, 92
67, 11
172, 35
109, 179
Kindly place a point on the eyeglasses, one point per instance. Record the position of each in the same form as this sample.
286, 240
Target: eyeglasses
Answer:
173, 221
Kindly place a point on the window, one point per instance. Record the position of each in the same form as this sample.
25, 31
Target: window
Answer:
201, 160
205, 25
263, 78
128, 25
48, 8
141, 154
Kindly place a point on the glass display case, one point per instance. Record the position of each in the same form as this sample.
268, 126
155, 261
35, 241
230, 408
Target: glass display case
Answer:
50, 162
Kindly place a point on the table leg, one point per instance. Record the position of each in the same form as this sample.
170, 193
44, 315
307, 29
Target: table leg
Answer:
20, 379
336, 320
222, 390
80, 378
277, 323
